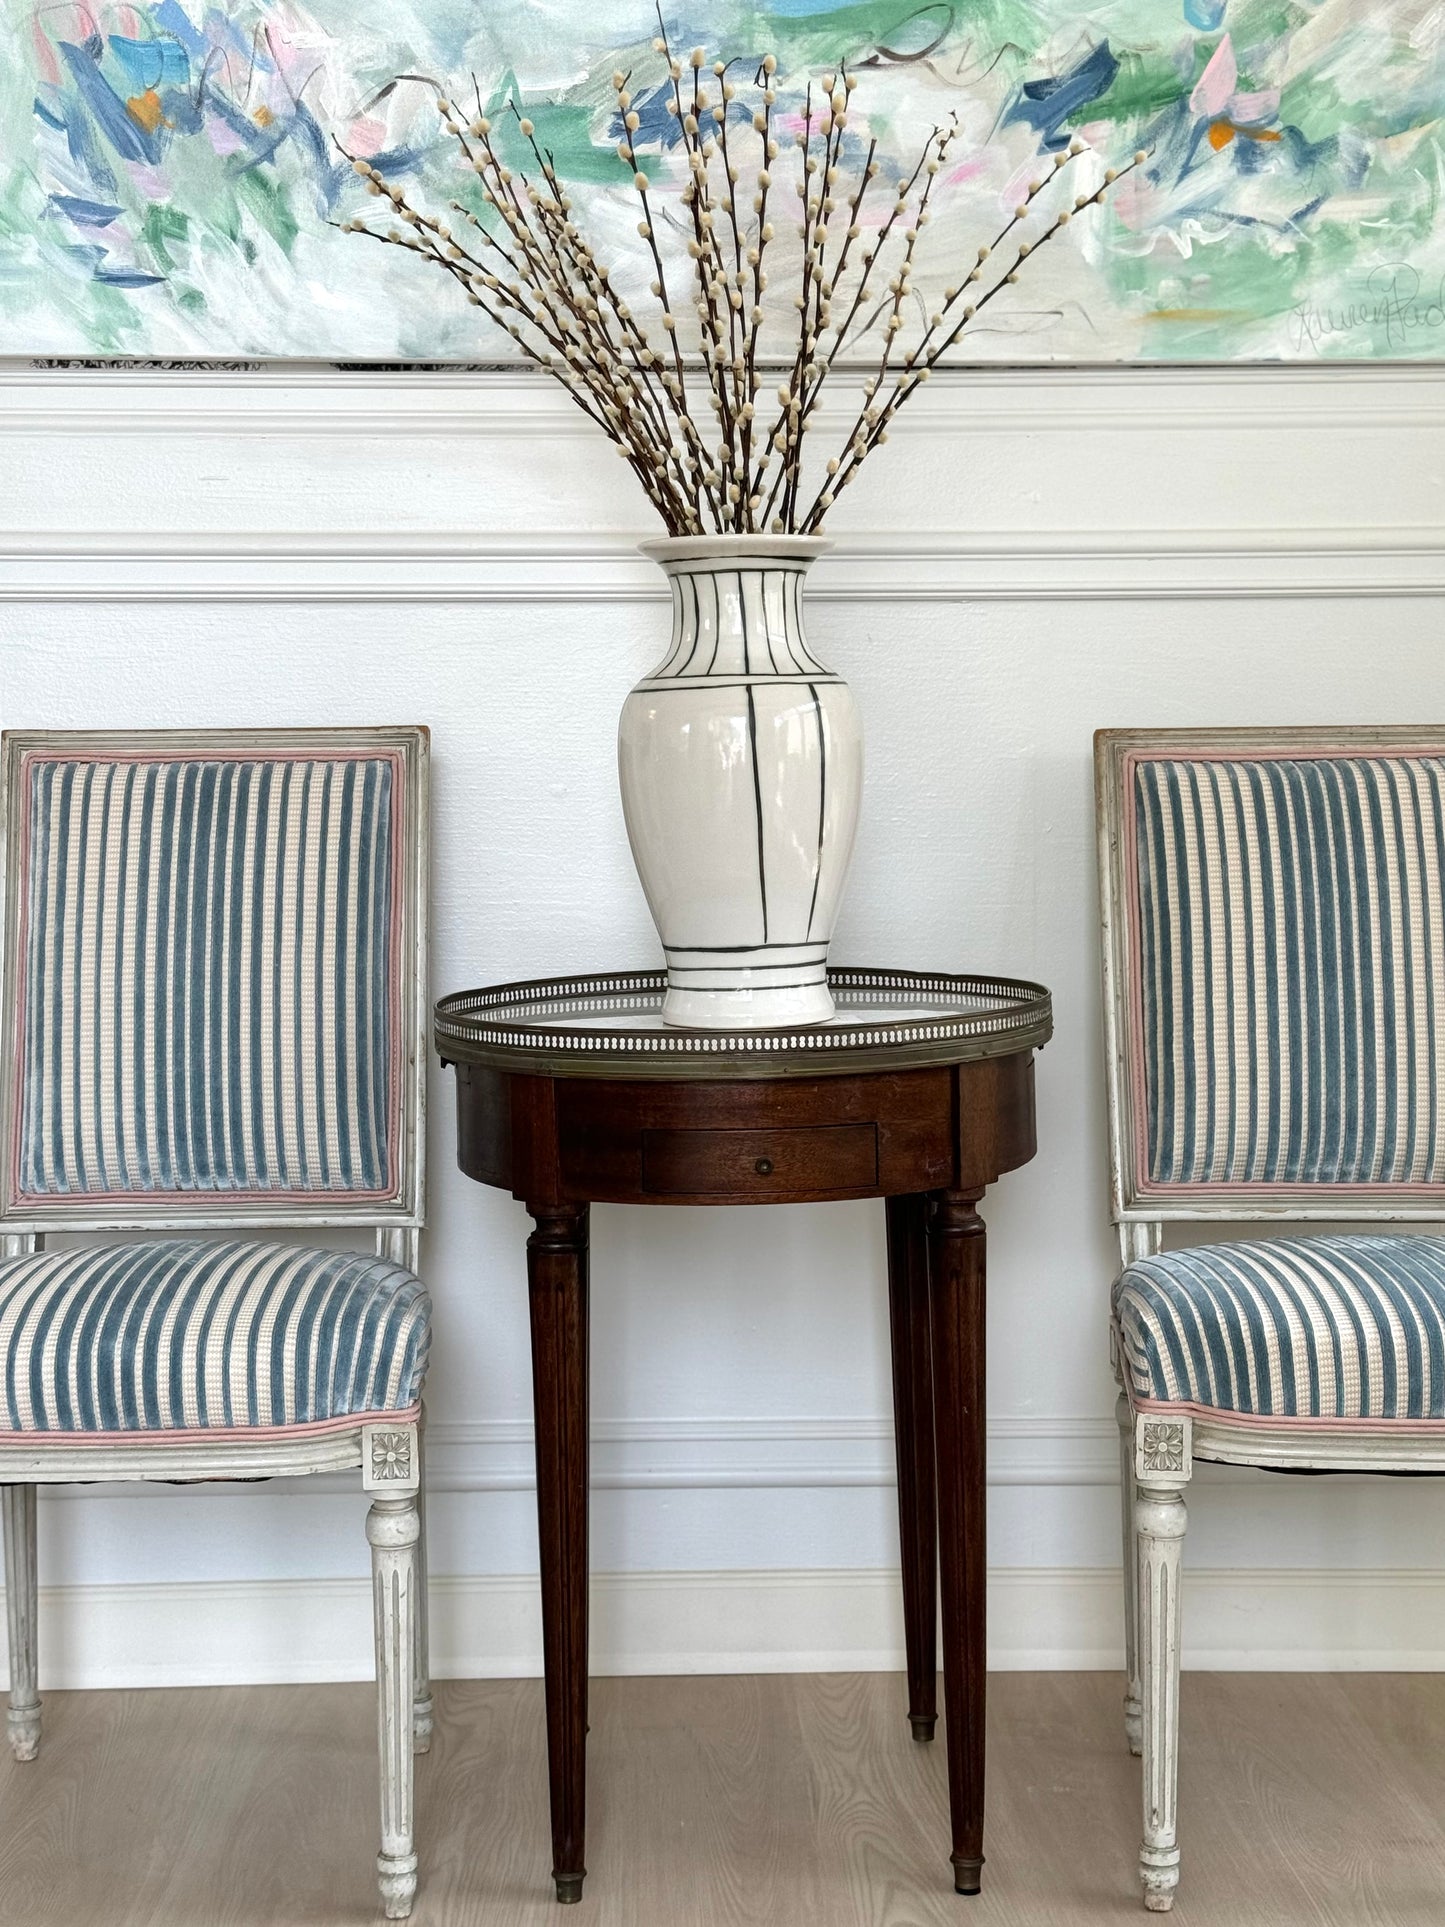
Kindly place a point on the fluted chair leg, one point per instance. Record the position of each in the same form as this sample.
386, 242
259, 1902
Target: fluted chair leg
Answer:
1133, 1709
393, 1527
1162, 1465
21, 1611
421, 1711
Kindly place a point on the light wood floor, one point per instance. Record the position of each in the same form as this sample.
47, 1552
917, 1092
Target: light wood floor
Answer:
763, 1802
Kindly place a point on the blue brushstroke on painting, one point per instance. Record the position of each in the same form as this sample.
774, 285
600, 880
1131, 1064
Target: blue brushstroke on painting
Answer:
657, 127
181, 114
85, 213
173, 19
1046, 105
1206, 15
300, 126
125, 134
151, 63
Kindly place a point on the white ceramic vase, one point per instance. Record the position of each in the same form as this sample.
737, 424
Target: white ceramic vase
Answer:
741, 761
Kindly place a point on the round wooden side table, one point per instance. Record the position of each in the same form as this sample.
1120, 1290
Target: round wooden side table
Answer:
571, 1092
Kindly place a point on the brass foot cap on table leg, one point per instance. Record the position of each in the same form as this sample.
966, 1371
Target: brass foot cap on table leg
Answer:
923, 1725
967, 1875
569, 1887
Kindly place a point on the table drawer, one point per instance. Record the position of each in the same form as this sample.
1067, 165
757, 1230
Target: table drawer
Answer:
830, 1157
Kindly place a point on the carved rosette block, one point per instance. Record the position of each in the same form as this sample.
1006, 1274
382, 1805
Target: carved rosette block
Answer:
389, 1458
1163, 1447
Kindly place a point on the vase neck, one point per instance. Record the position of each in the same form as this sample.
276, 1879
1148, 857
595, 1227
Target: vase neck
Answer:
740, 619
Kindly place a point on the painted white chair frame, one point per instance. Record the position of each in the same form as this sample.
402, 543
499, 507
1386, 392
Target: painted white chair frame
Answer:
1157, 1453
390, 1457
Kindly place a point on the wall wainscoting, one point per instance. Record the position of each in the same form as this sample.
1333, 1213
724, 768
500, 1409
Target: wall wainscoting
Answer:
1039, 553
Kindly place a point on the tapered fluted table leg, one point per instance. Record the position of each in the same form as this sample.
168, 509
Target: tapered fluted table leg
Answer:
557, 1288
913, 1435
956, 1294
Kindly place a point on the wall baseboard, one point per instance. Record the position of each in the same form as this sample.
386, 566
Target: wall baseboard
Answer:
1056, 1619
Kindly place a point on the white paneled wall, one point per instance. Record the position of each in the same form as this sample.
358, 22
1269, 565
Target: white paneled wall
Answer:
1035, 554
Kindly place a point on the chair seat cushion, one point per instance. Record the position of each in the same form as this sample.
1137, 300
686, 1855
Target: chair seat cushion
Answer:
199, 1337
1328, 1328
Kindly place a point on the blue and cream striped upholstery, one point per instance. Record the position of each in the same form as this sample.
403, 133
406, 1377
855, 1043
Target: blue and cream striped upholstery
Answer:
1288, 936
188, 1336
1325, 1328
209, 977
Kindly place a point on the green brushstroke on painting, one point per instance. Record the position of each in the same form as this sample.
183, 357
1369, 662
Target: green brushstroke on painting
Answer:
161, 227
1144, 86
270, 210
1300, 215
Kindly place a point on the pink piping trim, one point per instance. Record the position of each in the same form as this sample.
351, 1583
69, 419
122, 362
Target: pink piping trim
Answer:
391, 1188
1273, 1421
1288, 1193
219, 1434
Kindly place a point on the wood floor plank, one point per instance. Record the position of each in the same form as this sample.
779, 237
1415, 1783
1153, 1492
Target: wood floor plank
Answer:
731, 1802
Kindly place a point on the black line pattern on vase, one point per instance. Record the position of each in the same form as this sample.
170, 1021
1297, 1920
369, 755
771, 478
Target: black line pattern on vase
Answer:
661, 685
780, 598
743, 961
767, 627
822, 801
758, 804
777, 568
765, 990
679, 631
795, 590
696, 625
725, 974
730, 949
716, 627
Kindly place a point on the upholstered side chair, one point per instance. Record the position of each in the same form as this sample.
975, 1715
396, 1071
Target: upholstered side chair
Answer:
212, 1012
1273, 908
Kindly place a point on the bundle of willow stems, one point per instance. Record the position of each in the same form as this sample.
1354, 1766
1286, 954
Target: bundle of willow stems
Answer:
652, 385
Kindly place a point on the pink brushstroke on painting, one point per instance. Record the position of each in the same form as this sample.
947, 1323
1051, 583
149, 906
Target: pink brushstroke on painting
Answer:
970, 170
1217, 83
1135, 204
365, 136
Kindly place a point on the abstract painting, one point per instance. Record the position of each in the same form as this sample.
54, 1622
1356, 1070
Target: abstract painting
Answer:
173, 173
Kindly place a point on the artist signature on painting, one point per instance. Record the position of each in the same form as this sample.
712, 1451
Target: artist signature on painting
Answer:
1397, 300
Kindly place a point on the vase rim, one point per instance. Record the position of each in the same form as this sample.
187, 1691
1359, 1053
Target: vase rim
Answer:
665, 549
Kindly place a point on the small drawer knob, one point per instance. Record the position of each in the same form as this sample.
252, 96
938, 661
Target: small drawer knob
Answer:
764, 1167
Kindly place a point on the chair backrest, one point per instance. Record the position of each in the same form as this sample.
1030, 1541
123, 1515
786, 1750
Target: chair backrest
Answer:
1273, 906
213, 977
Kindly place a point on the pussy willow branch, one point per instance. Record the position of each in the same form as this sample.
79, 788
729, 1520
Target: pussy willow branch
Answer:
525, 261
877, 421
